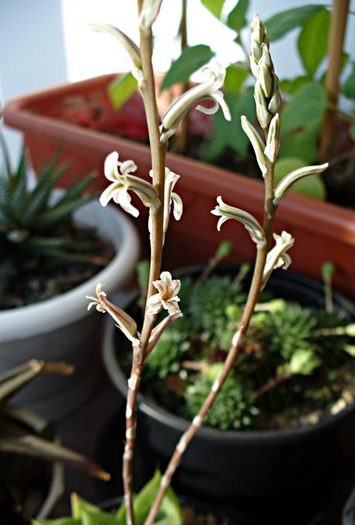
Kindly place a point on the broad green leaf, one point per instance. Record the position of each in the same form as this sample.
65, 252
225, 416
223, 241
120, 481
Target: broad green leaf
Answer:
291, 86
302, 144
214, 6
349, 84
78, 505
97, 517
236, 75
170, 512
313, 40
121, 89
237, 17
306, 106
312, 186
190, 60
281, 23
352, 131
230, 134
60, 521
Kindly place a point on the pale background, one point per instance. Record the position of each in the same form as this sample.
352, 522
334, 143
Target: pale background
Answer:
46, 42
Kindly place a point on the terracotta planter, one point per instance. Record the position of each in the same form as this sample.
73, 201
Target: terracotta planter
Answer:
322, 231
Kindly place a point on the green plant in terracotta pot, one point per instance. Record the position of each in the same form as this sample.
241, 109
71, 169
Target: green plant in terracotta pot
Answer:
165, 313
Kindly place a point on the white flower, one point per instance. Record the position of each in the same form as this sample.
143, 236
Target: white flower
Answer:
167, 297
289, 180
277, 257
225, 212
123, 182
131, 49
206, 90
123, 320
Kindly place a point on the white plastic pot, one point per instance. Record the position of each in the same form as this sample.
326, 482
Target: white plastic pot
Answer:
62, 329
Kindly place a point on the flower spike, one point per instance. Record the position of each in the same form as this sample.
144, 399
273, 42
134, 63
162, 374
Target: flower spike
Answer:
167, 297
124, 321
206, 90
225, 212
123, 182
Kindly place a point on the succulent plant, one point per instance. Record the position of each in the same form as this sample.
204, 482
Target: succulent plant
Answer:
37, 230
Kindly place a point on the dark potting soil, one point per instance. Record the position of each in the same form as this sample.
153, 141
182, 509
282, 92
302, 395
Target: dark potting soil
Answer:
43, 278
94, 111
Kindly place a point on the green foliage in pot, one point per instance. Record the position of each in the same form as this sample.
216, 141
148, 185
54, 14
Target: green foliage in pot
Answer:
43, 252
295, 367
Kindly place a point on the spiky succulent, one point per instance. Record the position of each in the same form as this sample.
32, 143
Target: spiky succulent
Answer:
292, 354
36, 230
233, 408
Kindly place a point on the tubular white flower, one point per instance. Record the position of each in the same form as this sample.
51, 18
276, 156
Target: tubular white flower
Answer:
285, 184
149, 13
171, 198
124, 321
225, 212
206, 90
123, 182
167, 296
277, 257
273, 139
131, 49
257, 143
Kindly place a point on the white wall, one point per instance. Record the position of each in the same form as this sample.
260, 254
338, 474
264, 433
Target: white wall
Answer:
32, 50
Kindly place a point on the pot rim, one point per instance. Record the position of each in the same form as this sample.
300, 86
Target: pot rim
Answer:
163, 416
66, 308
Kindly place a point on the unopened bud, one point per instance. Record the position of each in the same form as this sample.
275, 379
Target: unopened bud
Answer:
273, 136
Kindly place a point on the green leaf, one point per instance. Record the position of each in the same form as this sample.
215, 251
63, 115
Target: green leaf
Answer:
170, 512
313, 40
60, 211
350, 349
78, 505
306, 106
97, 517
190, 60
236, 75
311, 186
214, 6
349, 84
303, 362
328, 270
281, 23
302, 144
237, 17
352, 131
230, 134
121, 89
292, 85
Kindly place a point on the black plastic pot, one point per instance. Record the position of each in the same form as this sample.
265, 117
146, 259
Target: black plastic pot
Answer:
282, 476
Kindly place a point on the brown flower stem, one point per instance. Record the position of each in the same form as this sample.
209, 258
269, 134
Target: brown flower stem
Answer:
158, 152
253, 296
270, 385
